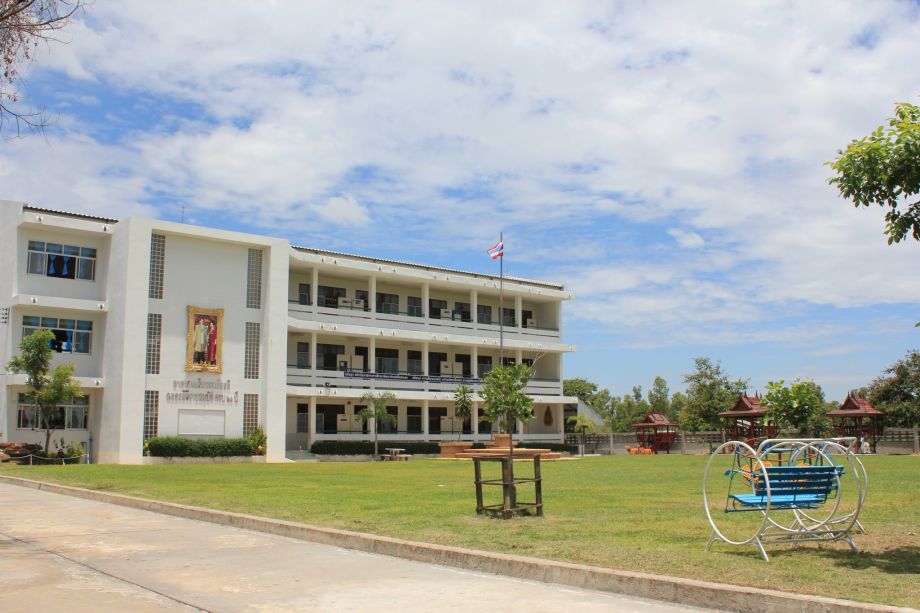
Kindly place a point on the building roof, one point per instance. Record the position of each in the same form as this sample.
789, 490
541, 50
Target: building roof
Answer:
547, 284
366, 258
654, 420
747, 406
29, 207
855, 406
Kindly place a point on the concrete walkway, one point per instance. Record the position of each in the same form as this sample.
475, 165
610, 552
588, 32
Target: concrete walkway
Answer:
58, 551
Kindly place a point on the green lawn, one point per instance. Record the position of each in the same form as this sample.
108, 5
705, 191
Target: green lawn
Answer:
628, 512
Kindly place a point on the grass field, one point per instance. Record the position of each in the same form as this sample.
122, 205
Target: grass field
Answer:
628, 512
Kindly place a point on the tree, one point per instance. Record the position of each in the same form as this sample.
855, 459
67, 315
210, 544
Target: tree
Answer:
800, 405
709, 392
583, 424
629, 409
46, 390
23, 24
678, 402
376, 409
884, 169
503, 398
582, 388
658, 396
897, 392
463, 405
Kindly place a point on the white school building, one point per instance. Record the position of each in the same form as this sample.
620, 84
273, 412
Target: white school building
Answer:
184, 330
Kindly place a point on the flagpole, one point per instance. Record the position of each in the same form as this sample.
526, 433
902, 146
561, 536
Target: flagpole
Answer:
501, 302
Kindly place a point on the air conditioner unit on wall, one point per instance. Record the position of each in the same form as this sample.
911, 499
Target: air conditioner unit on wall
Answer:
530, 323
357, 362
344, 301
358, 303
446, 369
445, 313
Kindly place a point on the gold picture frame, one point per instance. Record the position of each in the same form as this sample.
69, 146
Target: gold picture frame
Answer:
205, 340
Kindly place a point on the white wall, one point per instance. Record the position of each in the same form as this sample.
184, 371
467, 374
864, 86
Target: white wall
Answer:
66, 288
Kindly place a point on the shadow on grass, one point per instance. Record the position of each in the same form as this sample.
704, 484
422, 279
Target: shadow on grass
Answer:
895, 561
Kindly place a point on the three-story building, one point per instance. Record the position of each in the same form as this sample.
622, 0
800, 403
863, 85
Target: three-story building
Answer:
185, 330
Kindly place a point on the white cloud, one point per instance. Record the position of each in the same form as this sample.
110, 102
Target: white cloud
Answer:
442, 124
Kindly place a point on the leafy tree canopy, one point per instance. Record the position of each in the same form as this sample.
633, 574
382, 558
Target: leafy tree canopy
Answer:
884, 169
897, 392
46, 388
799, 405
709, 392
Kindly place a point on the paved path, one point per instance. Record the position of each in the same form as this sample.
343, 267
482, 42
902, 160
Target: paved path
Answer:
62, 552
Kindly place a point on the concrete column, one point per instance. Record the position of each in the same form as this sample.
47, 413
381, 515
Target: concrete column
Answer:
474, 306
561, 427
425, 418
520, 427
518, 356
426, 294
313, 337
474, 420
311, 422
371, 355
558, 317
425, 359
314, 288
474, 361
518, 308
372, 294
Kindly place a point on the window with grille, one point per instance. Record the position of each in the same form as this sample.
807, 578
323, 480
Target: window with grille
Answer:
251, 359
151, 413
154, 333
61, 261
254, 280
157, 260
250, 413
70, 335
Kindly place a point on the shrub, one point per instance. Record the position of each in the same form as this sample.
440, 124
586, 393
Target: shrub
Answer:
258, 440
367, 447
178, 447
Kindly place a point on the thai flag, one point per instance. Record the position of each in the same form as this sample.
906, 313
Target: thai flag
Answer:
497, 250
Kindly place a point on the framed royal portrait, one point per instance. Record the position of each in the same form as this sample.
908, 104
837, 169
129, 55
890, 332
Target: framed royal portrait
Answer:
205, 340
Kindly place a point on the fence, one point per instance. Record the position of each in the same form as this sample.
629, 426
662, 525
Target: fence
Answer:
893, 441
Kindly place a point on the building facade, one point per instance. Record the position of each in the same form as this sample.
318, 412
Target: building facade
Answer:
183, 330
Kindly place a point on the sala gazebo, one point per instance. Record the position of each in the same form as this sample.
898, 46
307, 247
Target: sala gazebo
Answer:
857, 417
747, 420
656, 432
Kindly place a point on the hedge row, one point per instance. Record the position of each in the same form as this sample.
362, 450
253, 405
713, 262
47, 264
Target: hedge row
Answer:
177, 447
414, 447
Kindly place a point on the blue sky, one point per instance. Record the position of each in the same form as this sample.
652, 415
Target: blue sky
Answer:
662, 160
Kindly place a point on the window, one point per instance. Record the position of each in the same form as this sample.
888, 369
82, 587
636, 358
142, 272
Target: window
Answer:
61, 261
303, 355
414, 420
154, 333
388, 303
157, 260
414, 306
151, 413
434, 363
251, 356
461, 311
329, 296
250, 413
254, 279
72, 416
464, 361
526, 315
483, 365
414, 362
435, 306
361, 294
387, 427
70, 335
303, 293
508, 319
387, 361
327, 356
303, 414
483, 313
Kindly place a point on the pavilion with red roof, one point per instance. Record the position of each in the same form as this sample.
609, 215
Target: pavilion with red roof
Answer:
857, 417
656, 432
747, 420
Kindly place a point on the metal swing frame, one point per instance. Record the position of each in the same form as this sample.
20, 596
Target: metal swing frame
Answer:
786, 517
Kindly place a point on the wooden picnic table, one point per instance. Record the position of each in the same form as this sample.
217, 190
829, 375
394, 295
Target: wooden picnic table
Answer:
396, 454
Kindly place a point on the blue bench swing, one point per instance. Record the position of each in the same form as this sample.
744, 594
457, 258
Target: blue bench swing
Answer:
808, 479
